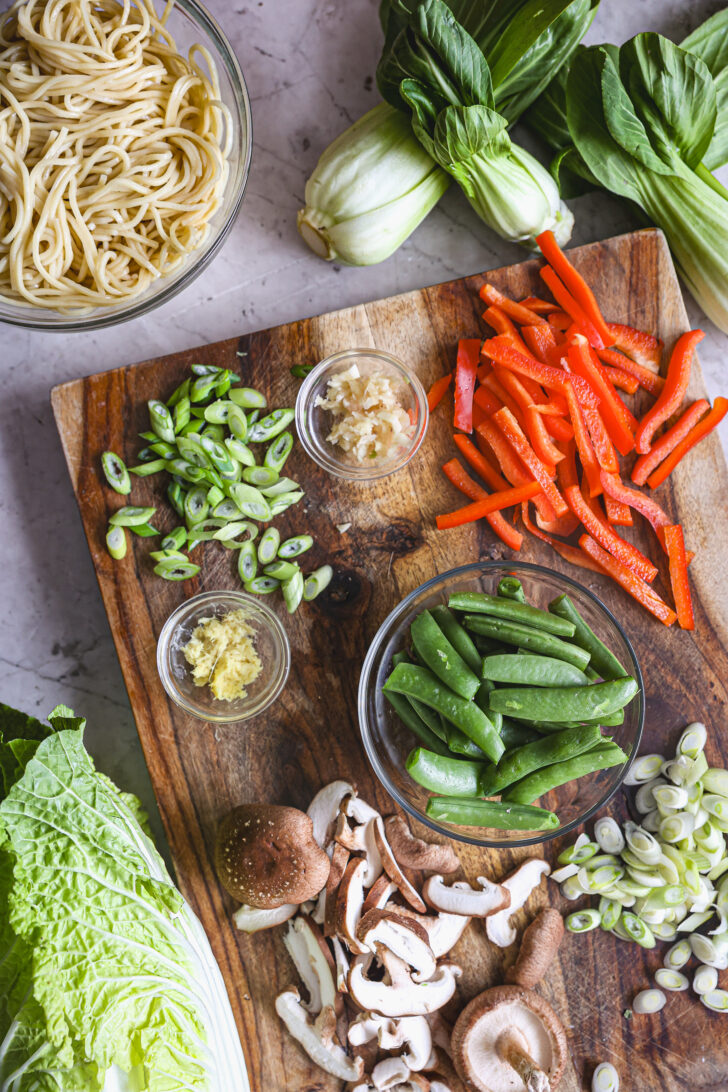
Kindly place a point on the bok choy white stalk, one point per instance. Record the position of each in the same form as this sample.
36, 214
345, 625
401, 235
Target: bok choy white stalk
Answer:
376, 182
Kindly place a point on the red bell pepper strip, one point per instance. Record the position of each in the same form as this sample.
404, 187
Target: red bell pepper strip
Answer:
539, 340
668, 441
513, 469
572, 307
479, 415
675, 545
618, 420
543, 474
573, 281
631, 583
535, 303
557, 427
541, 441
618, 513
583, 443
494, 502
468, 359
502, 324
696, 434
607, 537
502, 352
559, 320
672, 394
569, 553
529, 419
563, 526
622, 380
462, 481
493, 384
601, 442
647, 379
614, 487
642, 347
437, 390
520, 314
487, 401
479, 462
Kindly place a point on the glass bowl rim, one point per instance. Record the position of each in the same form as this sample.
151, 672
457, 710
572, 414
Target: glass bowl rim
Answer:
99, 319
540, 837
304, 408
188, 606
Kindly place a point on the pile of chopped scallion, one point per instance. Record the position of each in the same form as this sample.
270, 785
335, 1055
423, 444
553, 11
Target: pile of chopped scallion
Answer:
206, 438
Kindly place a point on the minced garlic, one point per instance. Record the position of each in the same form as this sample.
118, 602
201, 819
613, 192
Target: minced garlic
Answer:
222, 655
369, 421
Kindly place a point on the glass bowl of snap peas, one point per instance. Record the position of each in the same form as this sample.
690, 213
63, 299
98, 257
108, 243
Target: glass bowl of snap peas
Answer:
501, 704
269, 641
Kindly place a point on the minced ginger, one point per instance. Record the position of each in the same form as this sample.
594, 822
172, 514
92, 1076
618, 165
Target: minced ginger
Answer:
222, 655
369, 420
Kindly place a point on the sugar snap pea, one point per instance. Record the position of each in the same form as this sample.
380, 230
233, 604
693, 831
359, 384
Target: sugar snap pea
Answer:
515, 611
490, 813
611, 721
429, 717
115, 472
458, 637
564, 702
546, 751
420, 683
450, 776
505, 632
531, 670
550, 777
459, 744
515, 734
436, 652
510, 587
409, 718
604, 662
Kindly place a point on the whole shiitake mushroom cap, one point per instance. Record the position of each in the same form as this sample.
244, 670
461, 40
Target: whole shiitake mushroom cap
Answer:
266, 855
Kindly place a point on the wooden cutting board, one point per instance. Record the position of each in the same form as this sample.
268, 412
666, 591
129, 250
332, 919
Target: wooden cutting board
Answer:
310, 736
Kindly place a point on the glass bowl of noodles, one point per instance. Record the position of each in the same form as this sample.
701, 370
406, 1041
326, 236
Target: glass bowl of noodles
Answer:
127, 176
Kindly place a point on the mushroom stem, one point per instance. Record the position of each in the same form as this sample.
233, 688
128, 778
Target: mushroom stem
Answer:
510, 1047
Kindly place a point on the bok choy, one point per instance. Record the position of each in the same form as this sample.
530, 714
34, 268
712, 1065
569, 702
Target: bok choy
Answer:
640, 120
107, 980
376, 182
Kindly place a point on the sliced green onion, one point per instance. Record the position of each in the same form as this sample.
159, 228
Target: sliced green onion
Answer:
610, 912
250, 501
144, 470
174, 569
215, 496
161, 420
565, 873
572, 889
260, 475
144, 530
705, 979
294, 547
282, 570
292, 589
578, 853
116, 542
637, 930
644, 800
583, 921
205, 370
600, 879
714, 953
692, 741
226, 509
717, 1000
283, 485
225, 381
643, 844
175, 540
115, 472
262, 585
283, 502
270, 426
237, 422
667, 930
179, 393
234, 529
694, 921
645, 768
217, 412
202, 387
176, 497
716, 805
605, 1078
196, 506
600, 859
609, 835
248, 398
716, 781
278, 452
131, 516
670, 797
239, 451
181, 415
671, 980
674, 828
247, 562
664, 898
648, 1001
316, 582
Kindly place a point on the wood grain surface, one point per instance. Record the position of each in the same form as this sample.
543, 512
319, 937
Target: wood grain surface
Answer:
310, 736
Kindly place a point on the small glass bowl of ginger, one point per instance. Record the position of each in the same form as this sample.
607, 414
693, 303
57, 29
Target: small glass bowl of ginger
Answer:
223, 656
361, 414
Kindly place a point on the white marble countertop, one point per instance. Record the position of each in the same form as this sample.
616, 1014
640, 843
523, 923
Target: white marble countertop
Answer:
309, 65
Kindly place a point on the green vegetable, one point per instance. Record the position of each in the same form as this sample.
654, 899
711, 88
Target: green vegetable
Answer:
173, 568
115, 472
270, 540
531, 670
131, 516
294, 547
175, 540
450, 776
161, 420
79, 874
278, 452
292, 589
490, 813
544, 752
458, 637
248, 398
262, 585
300, 371
504, 631
422, 684
640, 120
604, 662
316, 582
564, 702
116, 542
543, 781
416, 725
260, 475
513, 610
436, 652
281, 570
583, 921
709, 41
511, 588
369, 190
270, 426
436, 70
247, 562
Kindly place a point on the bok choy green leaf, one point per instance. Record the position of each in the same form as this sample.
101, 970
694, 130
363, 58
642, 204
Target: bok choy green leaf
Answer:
436, 69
